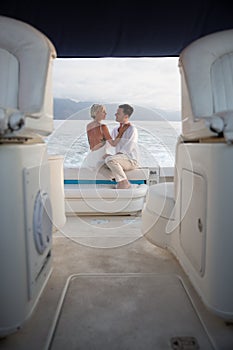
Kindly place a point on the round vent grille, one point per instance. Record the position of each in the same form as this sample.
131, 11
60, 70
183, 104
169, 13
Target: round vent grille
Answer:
42, 221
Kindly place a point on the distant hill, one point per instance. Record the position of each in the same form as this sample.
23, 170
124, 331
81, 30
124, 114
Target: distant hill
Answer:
70, 109
63, 108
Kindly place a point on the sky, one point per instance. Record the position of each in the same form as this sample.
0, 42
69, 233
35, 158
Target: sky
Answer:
148, 82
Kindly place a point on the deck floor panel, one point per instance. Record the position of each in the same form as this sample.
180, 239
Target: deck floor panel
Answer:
126, 311
132, 254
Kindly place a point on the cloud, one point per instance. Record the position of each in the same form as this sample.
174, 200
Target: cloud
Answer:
153, 82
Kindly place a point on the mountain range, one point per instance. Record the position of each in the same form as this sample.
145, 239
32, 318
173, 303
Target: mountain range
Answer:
70, 109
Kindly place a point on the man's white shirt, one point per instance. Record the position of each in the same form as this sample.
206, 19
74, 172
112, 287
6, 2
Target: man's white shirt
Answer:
128, 144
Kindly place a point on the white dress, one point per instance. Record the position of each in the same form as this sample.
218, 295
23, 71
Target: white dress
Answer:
94, 159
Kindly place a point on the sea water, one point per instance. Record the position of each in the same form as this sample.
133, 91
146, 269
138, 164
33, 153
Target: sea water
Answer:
156, 140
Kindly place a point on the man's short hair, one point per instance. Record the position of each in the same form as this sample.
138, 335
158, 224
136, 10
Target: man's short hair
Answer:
127, 109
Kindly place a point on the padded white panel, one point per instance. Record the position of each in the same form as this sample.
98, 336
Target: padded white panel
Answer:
206, 68
35, 54
222, 83
9, 79
195, 62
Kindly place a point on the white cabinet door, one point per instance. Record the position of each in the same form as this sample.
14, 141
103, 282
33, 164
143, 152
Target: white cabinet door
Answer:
193, 218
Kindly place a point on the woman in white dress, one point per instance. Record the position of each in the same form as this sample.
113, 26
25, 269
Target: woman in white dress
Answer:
99, 137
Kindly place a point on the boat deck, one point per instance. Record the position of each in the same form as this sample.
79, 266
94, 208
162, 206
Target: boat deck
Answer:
110, 288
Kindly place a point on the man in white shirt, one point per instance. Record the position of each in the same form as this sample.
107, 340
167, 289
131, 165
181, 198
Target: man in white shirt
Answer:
127, 153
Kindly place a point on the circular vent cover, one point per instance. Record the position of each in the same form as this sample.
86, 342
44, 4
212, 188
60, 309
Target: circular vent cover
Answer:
42, 221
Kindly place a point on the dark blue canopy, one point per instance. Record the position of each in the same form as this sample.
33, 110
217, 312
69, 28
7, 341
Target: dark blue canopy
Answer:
122, 28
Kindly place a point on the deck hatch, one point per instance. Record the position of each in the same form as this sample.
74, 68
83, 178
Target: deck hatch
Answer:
126, 311
184, 343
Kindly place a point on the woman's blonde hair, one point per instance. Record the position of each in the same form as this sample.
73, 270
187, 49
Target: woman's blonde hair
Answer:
95, 108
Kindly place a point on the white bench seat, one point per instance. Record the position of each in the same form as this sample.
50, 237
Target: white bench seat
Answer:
103, 198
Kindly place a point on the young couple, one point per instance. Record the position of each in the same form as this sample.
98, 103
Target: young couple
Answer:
123, 138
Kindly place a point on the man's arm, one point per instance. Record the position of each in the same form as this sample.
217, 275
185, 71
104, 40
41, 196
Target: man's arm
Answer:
128, 142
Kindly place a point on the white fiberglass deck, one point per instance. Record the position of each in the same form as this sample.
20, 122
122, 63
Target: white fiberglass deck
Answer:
113, 248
